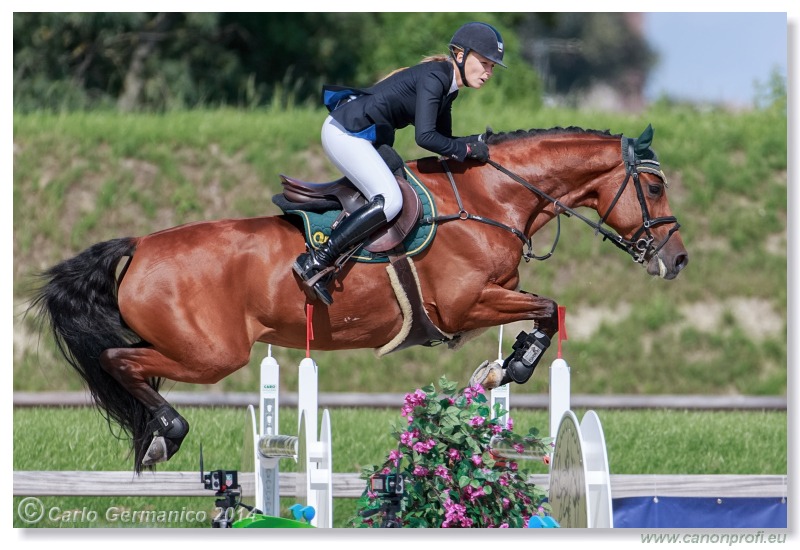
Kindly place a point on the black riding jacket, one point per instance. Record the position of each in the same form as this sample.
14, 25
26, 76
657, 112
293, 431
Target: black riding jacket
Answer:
419, 95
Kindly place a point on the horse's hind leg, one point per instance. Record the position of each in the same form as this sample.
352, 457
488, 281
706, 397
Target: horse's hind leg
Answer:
133, 368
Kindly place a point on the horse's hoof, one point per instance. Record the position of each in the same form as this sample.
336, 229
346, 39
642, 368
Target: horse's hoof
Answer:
156, 452
487, 375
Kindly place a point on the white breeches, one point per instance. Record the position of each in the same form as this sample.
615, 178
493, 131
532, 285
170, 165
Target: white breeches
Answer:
358, 159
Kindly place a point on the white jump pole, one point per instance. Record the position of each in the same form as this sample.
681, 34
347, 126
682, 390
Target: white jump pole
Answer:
267, 469
502, 394
580, 483
313, 454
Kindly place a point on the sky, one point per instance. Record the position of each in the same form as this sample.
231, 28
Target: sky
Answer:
715, 57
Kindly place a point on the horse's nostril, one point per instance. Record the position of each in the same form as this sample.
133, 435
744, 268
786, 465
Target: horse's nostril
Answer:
681, 260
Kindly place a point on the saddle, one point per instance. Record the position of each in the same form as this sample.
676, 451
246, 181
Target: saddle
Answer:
342, 194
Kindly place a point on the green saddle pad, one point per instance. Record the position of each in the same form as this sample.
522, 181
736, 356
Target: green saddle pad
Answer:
317, 226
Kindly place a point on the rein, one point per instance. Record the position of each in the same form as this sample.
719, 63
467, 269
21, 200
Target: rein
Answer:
464, 215
639, 247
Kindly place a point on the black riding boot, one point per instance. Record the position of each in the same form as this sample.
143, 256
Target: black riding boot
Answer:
352, 231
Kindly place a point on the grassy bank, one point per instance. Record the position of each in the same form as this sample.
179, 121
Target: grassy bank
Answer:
719, 328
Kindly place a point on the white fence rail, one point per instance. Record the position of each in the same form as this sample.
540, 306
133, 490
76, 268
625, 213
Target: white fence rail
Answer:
395, 400
349, 485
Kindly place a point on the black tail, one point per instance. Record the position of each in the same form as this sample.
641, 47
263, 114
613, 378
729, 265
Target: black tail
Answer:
79, 298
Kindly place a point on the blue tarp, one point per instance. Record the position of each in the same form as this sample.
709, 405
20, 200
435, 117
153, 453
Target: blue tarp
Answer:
700, 512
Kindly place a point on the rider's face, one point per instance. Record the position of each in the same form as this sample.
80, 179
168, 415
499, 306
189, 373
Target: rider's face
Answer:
477, 70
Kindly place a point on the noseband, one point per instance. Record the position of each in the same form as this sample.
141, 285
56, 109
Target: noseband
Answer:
640, 246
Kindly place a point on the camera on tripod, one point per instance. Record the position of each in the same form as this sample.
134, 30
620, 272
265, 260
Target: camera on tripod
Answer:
221, 480
387, 485
389, 488
225, 484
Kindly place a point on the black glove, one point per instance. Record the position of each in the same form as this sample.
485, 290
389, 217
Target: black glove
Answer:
478, 150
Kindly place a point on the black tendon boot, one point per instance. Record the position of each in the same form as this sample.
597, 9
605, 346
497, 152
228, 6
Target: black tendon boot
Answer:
315, 267
528, 350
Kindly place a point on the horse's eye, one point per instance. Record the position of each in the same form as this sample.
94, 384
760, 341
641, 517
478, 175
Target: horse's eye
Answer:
655, 190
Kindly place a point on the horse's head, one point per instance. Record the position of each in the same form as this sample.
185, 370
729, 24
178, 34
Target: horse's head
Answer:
586, 168
638, 209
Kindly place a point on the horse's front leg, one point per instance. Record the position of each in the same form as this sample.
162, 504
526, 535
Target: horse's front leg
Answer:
529, 348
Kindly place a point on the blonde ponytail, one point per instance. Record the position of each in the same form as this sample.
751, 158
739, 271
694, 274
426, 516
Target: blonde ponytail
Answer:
426, 59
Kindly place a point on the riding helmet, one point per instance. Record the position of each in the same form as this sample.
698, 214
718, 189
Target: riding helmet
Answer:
480, 38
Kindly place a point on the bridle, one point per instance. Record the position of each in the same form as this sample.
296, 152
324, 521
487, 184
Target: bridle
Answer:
640, 246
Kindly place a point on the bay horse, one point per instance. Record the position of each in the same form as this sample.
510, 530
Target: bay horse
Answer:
192, 300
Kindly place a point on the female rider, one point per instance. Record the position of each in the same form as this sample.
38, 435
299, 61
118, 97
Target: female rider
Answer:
362, 120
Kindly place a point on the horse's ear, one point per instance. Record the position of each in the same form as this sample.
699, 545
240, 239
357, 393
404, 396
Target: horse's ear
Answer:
643, 142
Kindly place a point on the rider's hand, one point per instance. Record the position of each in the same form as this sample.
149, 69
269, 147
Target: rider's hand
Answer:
478, 150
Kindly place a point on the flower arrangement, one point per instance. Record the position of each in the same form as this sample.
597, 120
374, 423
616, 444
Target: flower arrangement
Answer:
451, 477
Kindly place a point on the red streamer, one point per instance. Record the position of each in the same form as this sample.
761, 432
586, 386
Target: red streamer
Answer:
562, 327
309, 328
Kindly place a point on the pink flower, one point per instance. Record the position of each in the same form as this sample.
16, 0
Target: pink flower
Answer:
442, 472
423, 447
477, 460
395, 456
477, 421
411, 401
473, 494
407, 437
455, 515
453, 454
496, 429
420, 471
473, 391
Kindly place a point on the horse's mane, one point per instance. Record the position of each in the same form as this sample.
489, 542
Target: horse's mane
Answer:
537, 132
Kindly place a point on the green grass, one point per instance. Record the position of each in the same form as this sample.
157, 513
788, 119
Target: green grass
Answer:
639, 442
